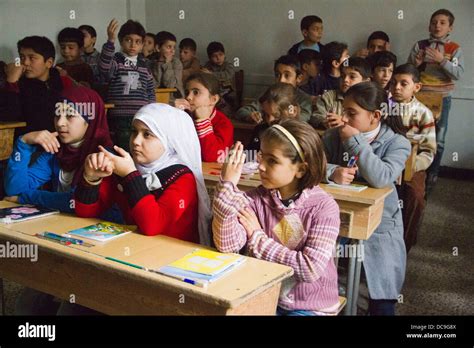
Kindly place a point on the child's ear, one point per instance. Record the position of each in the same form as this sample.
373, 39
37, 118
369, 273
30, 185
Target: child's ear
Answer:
299, 79
418, 86
157, 48
49, 62
305, 33
93, 39
377, 115
335, 63
302, 168
215, 99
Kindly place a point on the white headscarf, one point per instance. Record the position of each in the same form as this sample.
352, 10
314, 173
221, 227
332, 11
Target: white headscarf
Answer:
175, 129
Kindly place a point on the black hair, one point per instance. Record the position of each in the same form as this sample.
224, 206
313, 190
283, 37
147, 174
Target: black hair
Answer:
131, 28
445, 12
378, 35
71, 35
369, 96
214, 47
89, 28
307, 21
308, 56
383, 59
164, 36
153, 36
408, 69
289, 60
188, 43
360, 65
332, 51
40, 44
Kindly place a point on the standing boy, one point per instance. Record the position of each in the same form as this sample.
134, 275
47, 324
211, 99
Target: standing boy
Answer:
312, 31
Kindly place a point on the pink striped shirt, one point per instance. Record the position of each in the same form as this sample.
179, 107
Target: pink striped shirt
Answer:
302, 236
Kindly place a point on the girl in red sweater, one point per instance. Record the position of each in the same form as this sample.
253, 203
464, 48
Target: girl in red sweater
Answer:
159, 186
214, 129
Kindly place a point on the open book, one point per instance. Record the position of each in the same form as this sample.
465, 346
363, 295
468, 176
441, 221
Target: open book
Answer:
23, 213
350, 187
100, 232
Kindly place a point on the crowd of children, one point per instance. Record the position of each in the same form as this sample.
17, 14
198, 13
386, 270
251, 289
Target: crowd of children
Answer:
140, 163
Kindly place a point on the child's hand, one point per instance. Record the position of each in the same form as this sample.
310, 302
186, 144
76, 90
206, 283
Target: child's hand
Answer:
182, 104
363, 53
14, 72
62, 72
419, 58
13, 199
232, 168
206, 70
255, 117
45, 138
97, 166
346, 131
203, 112
123, 163
249, 220
434, 55
343, 175
168, 57
112, 30
334, 120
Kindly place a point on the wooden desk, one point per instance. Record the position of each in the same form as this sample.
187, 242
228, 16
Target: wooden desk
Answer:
7, 131
243, 131
433, 101
109, 106
163, 95
112, 288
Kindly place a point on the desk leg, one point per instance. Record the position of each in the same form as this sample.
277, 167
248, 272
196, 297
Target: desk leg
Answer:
358, 267
350, 284
2, 298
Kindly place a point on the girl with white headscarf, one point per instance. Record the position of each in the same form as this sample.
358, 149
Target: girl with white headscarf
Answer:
159, 186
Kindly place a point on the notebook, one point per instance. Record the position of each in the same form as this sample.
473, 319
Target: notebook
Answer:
351, 187
23, 213
100, 232
201, 264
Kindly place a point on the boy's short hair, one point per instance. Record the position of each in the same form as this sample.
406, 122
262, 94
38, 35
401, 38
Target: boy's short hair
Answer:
289, 60
408, 69
360, 65
307, 56
332, 51
445, 12
307, 21
383, 59
188, 43
214, 47
378, 35
71, 35
89, 28
153, 36
40, 44
131, 28
164, 36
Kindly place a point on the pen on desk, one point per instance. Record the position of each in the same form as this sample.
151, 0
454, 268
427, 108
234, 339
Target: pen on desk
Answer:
195, 282
64, 238
126, 263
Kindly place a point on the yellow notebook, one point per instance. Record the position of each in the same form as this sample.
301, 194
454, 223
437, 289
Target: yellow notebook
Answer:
206, 262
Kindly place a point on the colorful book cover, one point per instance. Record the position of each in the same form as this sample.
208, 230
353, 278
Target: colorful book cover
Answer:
100, 232
23, 213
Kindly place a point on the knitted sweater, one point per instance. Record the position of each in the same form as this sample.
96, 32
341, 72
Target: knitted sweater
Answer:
330, 100
130, 86
168, 74
301, 236
79, 71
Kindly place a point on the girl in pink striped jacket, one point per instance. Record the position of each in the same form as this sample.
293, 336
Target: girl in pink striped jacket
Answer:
288, 220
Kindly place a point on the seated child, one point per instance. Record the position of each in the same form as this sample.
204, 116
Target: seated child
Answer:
149, 47
90, 55
312, 31
419, 121
187, 55
214, 129
131, 84
71, 42
334, 55
310, 61
287, 70
168, 70
328, 111
225, 74
278, 103
377, 41
378, 141
382, 64
288, 220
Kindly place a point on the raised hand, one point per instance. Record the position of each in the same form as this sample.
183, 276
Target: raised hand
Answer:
14, 72
97, 166
232, 168
112, 30
123, 163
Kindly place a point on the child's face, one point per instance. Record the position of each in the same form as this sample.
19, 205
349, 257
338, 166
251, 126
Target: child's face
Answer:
403, 87
89, 41
276, 170
145, 147
198, 96
382, 75
132, 44
217, 58
287, 74
35, 65
269, 112
376, 45
70, 125
314, 32
70, 51
168, 49
439, 26
186, 54
357, 117
349, 78
311, 69
148, 46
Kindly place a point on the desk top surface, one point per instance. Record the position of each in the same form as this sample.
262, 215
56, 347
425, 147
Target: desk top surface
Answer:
246, 281
8, 125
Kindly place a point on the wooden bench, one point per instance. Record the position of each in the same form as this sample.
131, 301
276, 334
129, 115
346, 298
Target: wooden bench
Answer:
7, 132
163, 95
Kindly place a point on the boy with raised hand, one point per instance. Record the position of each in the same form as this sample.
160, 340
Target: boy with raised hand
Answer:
312, 31
441, 63
377, 41
130, 82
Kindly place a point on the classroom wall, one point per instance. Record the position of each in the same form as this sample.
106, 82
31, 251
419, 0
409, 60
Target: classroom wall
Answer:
259, 31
